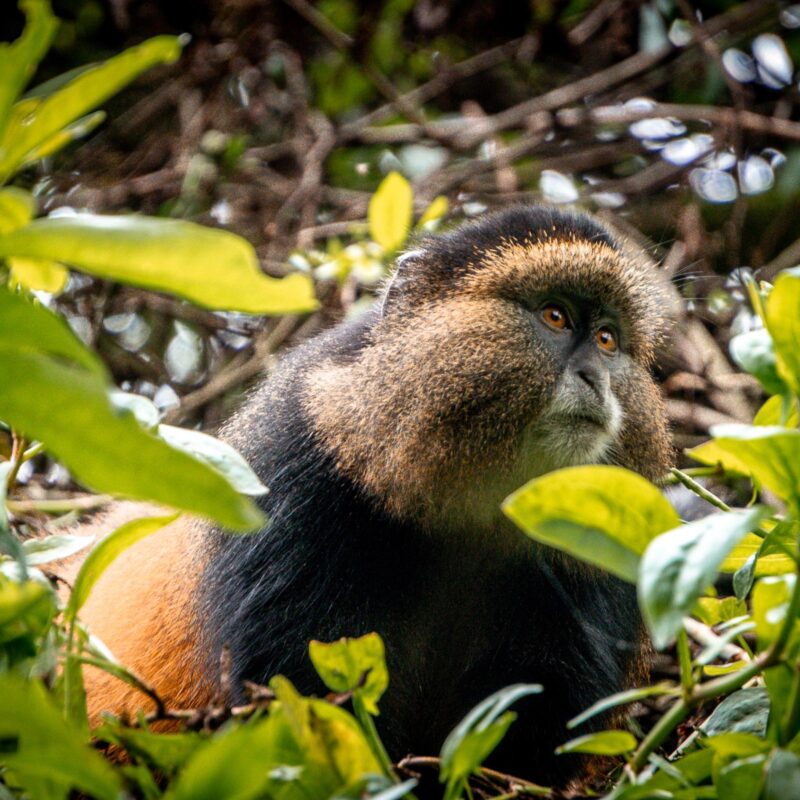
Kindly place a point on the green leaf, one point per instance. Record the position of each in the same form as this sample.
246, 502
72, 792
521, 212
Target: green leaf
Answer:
771, 454
390, 210
68, 409
213, 268
476, 736
77, 130
217, 454
105, 552
84, 93
38, 744
344, 664
19, 59
26, 325
620, 699
774, 555
434, 212
679, 565
602, 743
783, 321
167, 752
770, 603
36, 274
753, 352
713, 610
744, 711
742, 779
26, 609
17, 207
770, 413
783, 777
54, 548
601, 514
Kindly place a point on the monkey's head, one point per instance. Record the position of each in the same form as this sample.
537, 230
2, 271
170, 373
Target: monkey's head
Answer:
509, 347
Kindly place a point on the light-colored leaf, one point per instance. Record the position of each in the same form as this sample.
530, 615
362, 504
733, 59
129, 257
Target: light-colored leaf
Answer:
344, 664
105, 552
770, 453
54, 548
434, 212
604, 515
678, 566
771, 597
17, 208
217, 454
770, 413
390, 210
210, 267
81, 95
602, 743
27, 326
38, 275
19, 59
783, 320
620, 699
753, 352
68, 409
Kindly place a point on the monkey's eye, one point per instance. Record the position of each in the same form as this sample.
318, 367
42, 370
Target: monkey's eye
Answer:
555, 317
606, 340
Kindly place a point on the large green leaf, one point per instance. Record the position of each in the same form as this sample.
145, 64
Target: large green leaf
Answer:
84, 93
678, 566
770, 453
69, 410
213, 268
19, 59
353, 665
40, 746
27, 326
783, 320
601, 514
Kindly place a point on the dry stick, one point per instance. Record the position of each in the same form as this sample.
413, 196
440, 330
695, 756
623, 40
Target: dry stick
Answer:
726, 117
436, 85
592, 22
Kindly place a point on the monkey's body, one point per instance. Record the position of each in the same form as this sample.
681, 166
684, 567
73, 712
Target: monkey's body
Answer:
387, 445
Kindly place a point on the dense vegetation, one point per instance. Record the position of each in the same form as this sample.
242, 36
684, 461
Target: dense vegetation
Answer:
282, 137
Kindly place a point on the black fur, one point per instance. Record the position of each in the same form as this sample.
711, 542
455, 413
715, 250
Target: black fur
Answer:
459, 620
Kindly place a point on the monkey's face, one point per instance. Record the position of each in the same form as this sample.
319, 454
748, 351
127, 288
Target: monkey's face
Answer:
521, 359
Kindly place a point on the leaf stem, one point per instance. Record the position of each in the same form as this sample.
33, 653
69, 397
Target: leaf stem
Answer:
723, 685
699, 490
371, 733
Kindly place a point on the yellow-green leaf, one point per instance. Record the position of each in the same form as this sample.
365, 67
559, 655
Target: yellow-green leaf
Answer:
17, 208
81, 95
601, 514
213, 268
41, 747
602, 743
19, 59
69, 410
771, 454
105, 552
783, 320
390, 210
353, 665
435, 211
37, 274
770, 413
80, 128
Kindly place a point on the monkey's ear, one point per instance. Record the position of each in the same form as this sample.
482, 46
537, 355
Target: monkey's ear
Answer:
396, 284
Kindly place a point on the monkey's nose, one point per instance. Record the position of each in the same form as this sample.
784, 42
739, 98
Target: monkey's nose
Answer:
595, 378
